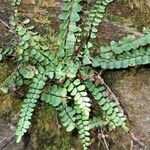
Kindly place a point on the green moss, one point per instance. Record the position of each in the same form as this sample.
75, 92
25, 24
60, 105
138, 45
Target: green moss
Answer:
126, 21
135, 18
9, 104
48, 133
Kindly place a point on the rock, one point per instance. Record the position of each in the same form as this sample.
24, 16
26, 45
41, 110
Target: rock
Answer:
7, 137
132, 88
5, 11
140, 4
148, 3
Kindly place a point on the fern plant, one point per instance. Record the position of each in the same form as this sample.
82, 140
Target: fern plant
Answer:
64, 78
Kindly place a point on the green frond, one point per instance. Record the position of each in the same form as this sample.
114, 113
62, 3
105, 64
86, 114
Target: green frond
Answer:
112, 113
82, 106
96, 122
94, 20
57, 97
29, 103
5, 52
68, 28
95, 17
83, 126
127, 52
67, 116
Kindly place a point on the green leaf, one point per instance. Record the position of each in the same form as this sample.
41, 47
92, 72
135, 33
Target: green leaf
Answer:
26, 37
21, 30
76, 82
74, 92
74, 17
26, 21
71, 37
81, 87
86, 60
66, 6
26, 124
64, 16
70, 88
27, 74
93, 35
77, 97
4, 89
70, 127
77, 7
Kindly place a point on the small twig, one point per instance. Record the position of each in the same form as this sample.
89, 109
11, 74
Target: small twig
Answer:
8, 131
124, 28
5, 24
100, 73
103, 137
3, 139
131, 147
136, 140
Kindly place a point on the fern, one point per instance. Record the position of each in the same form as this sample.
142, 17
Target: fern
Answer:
95, 17
69, 70
96, 122
82, 107
29, 103
110, 110
67, 117
127, 52
57, 98
70, 17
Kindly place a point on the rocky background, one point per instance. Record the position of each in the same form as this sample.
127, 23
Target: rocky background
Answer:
130, 85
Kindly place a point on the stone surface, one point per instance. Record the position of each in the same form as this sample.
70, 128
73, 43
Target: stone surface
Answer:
131, 85
7, 137
4, 13
132, 88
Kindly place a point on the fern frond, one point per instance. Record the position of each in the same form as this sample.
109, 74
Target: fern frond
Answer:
29, 103
77, 91
126, 44
57, 97
5, 52
95, 17
68, 28
83, 127
67, 116
96, 122
82, 107
125, 53
111, 112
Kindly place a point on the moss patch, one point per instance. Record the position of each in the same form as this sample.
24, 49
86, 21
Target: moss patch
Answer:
123, 13
47, 133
